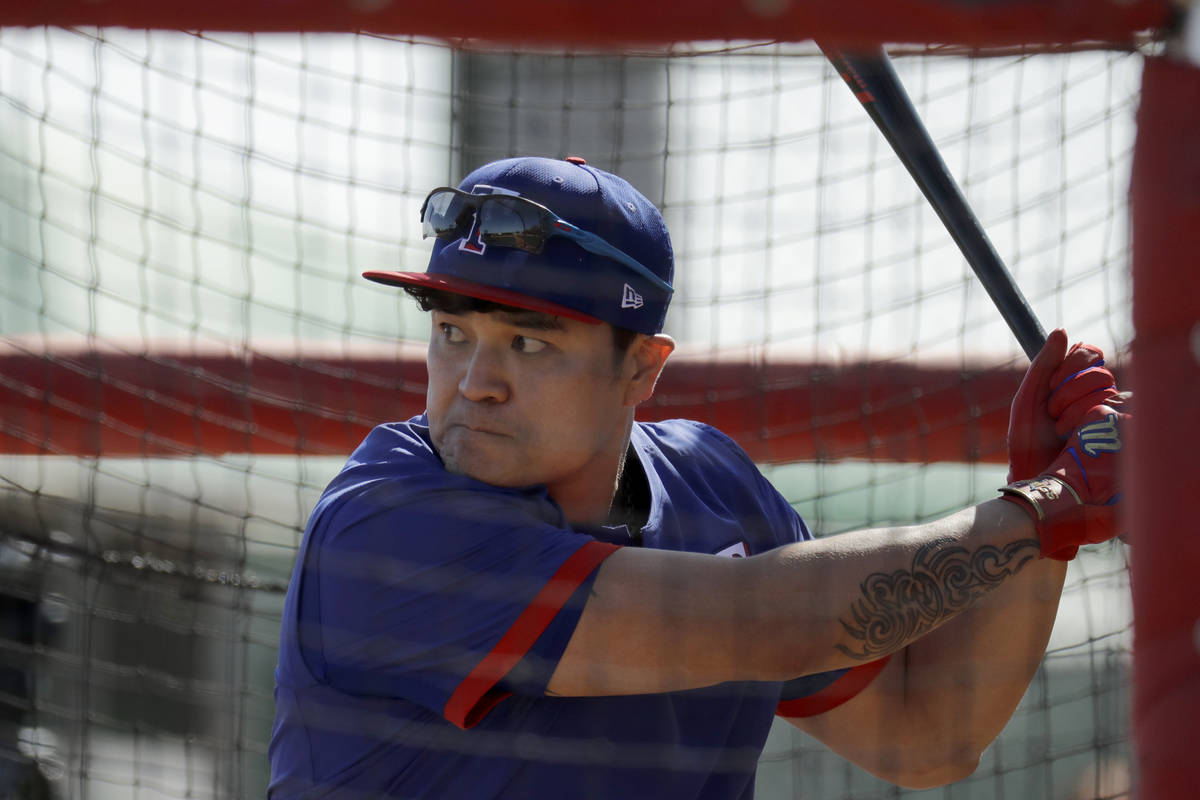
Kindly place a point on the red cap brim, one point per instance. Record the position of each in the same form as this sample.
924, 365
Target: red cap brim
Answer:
479, 290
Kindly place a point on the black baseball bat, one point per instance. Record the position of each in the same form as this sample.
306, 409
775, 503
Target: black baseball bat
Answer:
877, 86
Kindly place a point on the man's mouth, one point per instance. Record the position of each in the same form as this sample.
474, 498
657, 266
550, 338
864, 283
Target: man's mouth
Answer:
477, 428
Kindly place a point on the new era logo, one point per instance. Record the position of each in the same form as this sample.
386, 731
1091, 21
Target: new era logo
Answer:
630, 298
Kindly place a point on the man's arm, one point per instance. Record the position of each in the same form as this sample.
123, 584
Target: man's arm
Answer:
661, 621
965, 598
927, 717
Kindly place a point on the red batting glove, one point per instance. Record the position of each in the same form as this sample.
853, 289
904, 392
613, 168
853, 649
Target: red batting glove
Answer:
1032, 443
1074, 501
1080, 383
1059, 387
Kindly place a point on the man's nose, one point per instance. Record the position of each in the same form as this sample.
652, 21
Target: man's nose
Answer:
484, 379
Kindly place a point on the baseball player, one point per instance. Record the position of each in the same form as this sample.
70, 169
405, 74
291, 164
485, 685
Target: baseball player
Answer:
524, 593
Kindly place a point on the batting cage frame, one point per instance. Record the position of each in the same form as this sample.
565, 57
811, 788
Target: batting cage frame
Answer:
90, 399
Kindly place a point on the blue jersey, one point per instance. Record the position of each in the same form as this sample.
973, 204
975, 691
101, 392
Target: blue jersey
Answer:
427, 612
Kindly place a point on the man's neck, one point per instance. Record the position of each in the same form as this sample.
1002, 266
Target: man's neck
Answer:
588, 496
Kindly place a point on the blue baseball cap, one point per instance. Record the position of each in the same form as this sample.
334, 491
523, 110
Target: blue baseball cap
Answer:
566, 278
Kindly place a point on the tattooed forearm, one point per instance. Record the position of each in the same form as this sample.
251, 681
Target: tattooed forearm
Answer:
898, 607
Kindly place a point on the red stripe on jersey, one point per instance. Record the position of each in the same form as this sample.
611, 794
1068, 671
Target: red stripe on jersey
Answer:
476, 696
836, 693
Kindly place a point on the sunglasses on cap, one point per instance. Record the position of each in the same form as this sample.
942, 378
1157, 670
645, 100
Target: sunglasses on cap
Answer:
511, 221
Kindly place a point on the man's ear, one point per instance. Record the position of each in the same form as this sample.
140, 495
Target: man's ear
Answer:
649, 355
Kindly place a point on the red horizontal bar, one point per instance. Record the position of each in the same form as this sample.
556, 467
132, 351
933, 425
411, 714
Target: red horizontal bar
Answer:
178, 400
612, 23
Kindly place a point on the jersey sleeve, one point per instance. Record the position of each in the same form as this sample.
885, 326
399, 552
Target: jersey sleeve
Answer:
825, 691
436, 600
780, 521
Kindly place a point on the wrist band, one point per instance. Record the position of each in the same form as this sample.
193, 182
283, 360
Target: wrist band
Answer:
1047, 494
1058, 513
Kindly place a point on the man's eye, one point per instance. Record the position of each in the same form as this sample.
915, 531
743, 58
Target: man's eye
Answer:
524, 344
452, 333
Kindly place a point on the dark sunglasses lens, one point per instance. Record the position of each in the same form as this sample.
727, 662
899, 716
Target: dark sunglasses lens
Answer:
509, 222
444, 215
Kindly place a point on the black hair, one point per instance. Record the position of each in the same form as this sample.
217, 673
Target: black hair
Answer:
451, 303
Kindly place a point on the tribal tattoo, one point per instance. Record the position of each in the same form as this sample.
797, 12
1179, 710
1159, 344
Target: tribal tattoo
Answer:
897, 607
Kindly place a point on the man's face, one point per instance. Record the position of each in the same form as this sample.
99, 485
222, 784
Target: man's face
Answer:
523, 398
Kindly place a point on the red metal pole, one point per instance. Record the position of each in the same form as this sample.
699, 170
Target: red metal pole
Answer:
1162, 472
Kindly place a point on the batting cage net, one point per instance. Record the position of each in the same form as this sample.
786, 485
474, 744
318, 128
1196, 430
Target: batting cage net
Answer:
188, 352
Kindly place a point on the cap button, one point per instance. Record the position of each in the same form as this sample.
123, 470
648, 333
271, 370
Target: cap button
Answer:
575, 160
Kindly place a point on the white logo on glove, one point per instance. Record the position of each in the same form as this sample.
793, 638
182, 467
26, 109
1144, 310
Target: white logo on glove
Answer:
1100, 437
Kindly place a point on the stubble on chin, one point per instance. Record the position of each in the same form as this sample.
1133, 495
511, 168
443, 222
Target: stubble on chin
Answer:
448, 452
473, 460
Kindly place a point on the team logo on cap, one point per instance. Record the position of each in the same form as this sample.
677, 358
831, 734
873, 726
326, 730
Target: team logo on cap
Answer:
472, 242
630, 298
